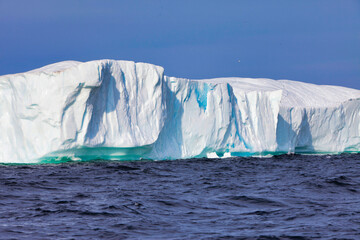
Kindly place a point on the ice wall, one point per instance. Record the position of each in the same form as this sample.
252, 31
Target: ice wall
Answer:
126, 110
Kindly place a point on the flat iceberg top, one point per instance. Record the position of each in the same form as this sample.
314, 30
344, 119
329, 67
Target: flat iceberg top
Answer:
56, 67
294, 93
113, 109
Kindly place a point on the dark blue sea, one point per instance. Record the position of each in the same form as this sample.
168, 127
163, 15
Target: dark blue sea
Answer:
282, 197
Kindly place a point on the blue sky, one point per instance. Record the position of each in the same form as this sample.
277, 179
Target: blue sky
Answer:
315, 41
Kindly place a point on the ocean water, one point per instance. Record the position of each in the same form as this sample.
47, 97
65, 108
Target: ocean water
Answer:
282, 197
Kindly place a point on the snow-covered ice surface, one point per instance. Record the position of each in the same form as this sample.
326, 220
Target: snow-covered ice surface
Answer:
125, 110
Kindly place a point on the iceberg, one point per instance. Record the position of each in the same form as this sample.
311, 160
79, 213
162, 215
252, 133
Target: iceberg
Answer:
113, 109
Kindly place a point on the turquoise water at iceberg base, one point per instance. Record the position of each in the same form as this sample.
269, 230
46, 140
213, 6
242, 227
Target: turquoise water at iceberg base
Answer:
277, 197
144, 153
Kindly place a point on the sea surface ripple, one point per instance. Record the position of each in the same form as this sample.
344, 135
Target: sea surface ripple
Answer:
282, 197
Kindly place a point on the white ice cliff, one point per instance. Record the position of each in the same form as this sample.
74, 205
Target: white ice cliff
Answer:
125, 110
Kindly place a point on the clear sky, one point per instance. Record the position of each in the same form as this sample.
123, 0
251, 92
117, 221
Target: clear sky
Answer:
315, 41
